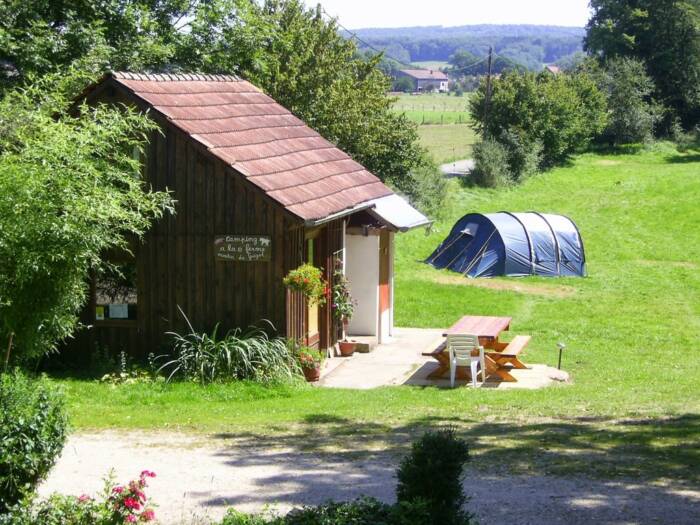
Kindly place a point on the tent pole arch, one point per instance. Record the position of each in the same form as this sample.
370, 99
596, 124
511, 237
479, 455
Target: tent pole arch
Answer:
556, 241
480, 254
580, 239
529, 242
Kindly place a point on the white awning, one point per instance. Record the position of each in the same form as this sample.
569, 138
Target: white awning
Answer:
398, 214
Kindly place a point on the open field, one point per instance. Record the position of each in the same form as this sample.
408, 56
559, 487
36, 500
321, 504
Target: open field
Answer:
449, 142
431, 64
434, 108
632, 331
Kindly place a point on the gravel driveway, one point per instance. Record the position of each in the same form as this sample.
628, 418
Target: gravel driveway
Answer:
198, 477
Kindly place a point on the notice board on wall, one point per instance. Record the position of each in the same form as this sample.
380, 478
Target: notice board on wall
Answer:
244, 248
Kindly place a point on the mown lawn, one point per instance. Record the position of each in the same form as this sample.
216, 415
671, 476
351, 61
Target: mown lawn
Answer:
435, 108
632, 330
449, 142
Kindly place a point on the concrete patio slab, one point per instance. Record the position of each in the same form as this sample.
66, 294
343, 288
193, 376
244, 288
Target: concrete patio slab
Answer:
400, 362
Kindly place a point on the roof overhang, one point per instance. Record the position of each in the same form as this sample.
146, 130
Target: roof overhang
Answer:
340, 215
397, 214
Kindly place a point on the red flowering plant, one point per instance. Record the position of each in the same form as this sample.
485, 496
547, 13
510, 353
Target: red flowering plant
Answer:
127, 503
118, 505
308, 358
308, 280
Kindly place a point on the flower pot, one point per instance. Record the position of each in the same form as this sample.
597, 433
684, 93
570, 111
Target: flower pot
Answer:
347, 348
312, 374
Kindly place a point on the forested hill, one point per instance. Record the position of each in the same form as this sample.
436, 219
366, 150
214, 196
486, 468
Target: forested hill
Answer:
529, 45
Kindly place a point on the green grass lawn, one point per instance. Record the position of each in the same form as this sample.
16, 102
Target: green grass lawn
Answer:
434, 108
449, 142
632, 330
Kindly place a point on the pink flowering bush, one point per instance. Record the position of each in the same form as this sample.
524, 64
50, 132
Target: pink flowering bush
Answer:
128, 502
119, 505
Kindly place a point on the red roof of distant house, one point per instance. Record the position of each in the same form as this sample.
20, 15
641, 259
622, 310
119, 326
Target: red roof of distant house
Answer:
425, 74
553, 69
260, 139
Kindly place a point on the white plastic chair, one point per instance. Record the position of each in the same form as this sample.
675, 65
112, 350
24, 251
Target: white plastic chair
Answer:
461, 349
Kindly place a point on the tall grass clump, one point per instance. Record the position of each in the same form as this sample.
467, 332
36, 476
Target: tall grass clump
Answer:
239, 355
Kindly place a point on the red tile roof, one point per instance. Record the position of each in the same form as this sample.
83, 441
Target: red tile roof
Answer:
260, 139
425, 74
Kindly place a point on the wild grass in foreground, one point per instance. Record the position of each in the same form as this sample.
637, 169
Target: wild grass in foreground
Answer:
632, 330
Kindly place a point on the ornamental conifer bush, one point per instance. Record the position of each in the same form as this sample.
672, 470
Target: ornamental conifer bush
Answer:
432, 474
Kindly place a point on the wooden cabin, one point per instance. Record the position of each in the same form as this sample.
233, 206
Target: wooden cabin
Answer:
258, 193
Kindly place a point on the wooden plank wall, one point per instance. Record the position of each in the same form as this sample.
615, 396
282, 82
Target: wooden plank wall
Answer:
176, 264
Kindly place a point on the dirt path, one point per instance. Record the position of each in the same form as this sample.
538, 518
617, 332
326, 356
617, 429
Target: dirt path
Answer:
200, 476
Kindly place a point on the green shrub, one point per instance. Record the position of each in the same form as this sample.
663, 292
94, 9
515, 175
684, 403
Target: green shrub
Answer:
55, 510
33, 425
523, 155
118, 504
239, 355
561, 112
429, 492
233, 517
432, 473
70, 190
491, 168
424, 185
362, 511
632, 112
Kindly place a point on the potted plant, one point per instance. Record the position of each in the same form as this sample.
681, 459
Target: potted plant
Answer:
310, 362
343, 306
308, 280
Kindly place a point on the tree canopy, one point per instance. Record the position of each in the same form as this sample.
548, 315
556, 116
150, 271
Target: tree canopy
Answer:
70, 188
294, 54
562, 113
665, 35
527, 45
465, 63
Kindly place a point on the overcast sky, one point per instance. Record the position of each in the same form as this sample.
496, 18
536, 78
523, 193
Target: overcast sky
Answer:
357, 14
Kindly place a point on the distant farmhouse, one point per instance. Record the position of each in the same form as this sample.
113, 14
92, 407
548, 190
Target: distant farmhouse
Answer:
427, 79
554, 70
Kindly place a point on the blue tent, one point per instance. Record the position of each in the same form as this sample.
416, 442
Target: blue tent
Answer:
515, 244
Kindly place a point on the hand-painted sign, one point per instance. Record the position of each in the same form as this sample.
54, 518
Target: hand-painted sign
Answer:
248, 248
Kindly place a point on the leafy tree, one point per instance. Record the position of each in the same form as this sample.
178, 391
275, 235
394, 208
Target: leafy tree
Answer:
404, 84
293, 53
70, 189
632, 113
465, 63
462, 59
301, 60
665, 34
570, 63
39, 37
526, 45
561, 112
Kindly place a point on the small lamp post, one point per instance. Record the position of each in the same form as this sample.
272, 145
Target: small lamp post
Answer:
561, 347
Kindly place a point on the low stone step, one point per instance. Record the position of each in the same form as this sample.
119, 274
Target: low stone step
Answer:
365, 348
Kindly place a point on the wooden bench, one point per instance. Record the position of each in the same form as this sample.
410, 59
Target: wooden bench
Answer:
509, 355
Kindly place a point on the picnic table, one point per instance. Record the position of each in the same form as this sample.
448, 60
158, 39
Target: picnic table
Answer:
499, 356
